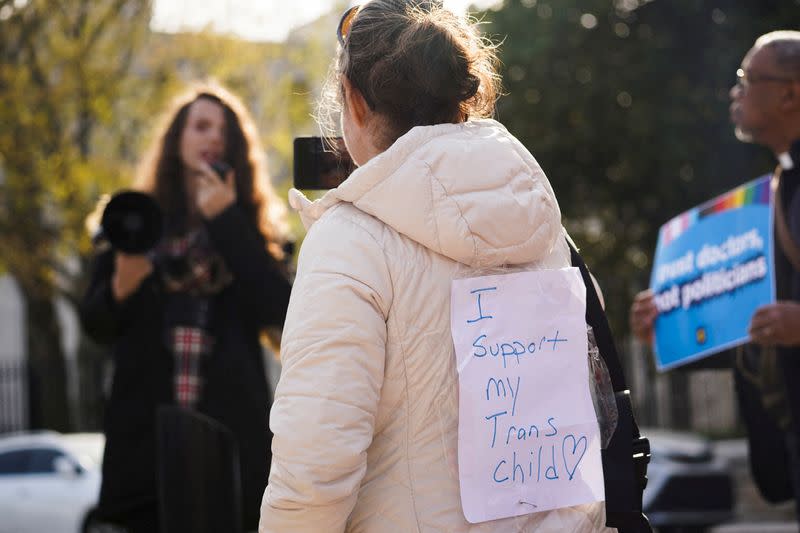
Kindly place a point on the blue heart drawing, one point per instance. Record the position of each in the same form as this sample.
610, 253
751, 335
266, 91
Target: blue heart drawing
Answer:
576, 443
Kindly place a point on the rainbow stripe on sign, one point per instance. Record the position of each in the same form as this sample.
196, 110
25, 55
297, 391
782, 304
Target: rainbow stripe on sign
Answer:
755, 192
749, 194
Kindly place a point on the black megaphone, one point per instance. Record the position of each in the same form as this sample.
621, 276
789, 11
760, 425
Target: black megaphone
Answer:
132, 222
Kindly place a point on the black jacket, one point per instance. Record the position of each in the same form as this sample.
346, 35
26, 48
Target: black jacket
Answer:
235, 390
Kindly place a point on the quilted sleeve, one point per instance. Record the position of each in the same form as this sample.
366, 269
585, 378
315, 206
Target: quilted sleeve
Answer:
333, 352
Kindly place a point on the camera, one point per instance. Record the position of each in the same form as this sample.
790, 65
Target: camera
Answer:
321, 162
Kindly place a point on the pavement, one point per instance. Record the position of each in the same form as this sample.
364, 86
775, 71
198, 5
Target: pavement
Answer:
757, 527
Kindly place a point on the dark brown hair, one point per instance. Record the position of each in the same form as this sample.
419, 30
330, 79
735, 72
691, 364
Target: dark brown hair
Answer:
161, 171
417, 64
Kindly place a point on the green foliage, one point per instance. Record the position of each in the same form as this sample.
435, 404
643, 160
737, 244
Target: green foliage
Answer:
624, 104
62, 66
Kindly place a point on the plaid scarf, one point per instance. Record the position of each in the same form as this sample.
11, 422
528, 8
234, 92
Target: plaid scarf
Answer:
192, 273
188, 346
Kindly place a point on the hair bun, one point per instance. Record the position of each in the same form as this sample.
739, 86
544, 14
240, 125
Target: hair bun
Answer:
417, 63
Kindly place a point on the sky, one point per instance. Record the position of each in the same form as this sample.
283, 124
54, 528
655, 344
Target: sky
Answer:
258, 20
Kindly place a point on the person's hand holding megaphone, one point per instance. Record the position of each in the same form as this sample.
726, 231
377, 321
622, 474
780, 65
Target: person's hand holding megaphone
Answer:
129, 272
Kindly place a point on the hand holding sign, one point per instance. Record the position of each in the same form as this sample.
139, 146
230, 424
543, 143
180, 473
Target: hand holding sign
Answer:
528, 434
643, 315
776, 324
712, 269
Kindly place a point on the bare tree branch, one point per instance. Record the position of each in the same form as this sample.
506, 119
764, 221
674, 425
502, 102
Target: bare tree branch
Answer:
105, 19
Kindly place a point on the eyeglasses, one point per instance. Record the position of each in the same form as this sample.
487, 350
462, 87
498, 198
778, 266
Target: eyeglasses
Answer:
346, 23
745, 79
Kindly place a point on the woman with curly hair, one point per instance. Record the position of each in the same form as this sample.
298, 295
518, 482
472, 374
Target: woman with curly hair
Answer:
185, 319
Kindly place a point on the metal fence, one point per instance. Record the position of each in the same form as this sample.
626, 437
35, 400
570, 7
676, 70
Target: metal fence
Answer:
13, 396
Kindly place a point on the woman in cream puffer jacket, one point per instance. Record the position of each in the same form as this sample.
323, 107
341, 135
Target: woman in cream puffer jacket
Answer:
365, 417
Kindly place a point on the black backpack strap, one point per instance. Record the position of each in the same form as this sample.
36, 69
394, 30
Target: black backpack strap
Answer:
627, 454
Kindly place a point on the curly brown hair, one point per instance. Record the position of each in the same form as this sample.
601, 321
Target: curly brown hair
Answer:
160, 172
417, 64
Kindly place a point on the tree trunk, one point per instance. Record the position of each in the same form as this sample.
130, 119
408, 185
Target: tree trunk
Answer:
49, 405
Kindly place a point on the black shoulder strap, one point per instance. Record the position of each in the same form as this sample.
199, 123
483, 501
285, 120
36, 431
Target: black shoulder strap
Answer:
596, 317
626, 456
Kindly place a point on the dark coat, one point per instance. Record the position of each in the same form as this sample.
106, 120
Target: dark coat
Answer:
235, 390
770, 406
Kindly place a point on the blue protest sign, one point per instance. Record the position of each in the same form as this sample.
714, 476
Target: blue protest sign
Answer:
713, 268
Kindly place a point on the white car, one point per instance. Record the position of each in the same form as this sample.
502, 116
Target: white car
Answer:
49, 482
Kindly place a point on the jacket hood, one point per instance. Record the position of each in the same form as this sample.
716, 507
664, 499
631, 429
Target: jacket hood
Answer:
468, 191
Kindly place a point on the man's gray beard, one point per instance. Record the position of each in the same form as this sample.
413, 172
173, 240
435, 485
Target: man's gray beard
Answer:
742, 135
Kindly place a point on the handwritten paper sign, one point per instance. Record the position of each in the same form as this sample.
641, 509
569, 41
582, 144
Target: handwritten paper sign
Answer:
712, 269
528, 438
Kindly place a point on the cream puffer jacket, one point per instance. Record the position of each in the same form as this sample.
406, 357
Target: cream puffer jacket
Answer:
366, 411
